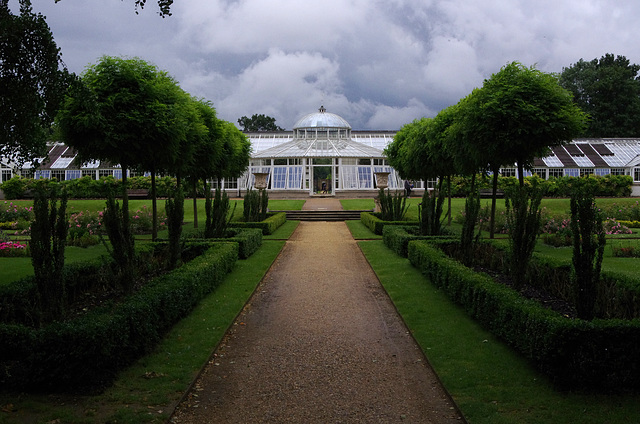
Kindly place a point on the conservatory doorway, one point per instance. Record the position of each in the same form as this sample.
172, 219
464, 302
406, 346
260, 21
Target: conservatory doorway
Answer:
323, 181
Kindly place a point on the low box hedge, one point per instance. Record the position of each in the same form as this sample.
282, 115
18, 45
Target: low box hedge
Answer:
268, 226
599, 354
372, 221
397, 237
249, 239
86, 353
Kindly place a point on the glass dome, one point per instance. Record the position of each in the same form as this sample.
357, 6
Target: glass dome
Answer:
321, 119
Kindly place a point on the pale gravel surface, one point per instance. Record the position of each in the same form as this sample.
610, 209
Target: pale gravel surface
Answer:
319, 342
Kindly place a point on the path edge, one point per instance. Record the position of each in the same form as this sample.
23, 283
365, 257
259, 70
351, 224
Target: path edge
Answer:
191, 385
404, 323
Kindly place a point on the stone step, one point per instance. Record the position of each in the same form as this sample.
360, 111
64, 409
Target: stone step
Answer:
323, 215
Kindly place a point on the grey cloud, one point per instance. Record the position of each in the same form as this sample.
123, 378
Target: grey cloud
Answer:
379, 64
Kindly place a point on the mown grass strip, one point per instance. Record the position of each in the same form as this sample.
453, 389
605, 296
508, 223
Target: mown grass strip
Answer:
283, 232
359, 231
148, 391
489, 382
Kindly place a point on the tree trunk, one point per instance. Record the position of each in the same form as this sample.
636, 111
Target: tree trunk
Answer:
126, 240
125, 196
449, 201
154, 207
195, 203
521, 173
492, 220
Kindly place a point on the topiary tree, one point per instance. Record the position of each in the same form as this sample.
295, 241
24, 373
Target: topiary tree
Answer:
207, 155
517, 115
128, 112
417, 152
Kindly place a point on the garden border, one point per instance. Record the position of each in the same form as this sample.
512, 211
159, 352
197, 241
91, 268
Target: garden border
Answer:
88, 352
574, 353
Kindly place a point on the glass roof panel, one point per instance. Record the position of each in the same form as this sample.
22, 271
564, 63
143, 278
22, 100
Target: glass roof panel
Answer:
62, 162
582, 161
623, 153
553, 161
318, 148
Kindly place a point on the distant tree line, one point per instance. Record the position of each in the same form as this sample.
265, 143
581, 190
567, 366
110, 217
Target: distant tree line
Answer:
608, 90
259, 123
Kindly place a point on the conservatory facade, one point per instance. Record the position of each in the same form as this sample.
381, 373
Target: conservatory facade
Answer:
321, 156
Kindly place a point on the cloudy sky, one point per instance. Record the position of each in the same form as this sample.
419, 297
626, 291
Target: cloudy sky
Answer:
377, 63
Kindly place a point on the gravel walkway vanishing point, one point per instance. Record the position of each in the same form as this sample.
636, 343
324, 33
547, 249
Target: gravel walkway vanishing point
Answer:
319, 342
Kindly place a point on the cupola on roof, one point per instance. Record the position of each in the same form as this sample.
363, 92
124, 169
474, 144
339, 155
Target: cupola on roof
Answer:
322, 119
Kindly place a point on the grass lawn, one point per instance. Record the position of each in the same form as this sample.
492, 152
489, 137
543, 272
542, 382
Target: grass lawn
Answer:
490, 382
148, 391
16, 268
629, 266
359, 231
357, 204
283, 232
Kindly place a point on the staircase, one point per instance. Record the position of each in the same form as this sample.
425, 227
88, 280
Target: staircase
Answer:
323, 215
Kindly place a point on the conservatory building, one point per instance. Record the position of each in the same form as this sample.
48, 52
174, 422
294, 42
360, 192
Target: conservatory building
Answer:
321, 156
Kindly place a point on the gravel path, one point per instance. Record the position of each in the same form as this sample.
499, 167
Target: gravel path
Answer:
319, 342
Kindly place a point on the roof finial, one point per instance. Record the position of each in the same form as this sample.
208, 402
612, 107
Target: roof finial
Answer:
322, 109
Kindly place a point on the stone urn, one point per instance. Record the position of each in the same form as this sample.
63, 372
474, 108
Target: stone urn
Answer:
261, 180
382, 179
382, 182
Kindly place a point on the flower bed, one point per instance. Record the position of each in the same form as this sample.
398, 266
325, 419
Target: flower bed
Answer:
9, 249
557, 231
626, 251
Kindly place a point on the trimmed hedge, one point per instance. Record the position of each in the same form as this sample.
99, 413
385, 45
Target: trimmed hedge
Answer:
86, 353
600, 354
249, 239
88, 188
268, 226
397, 237
618, 293
375, 224
606, 186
